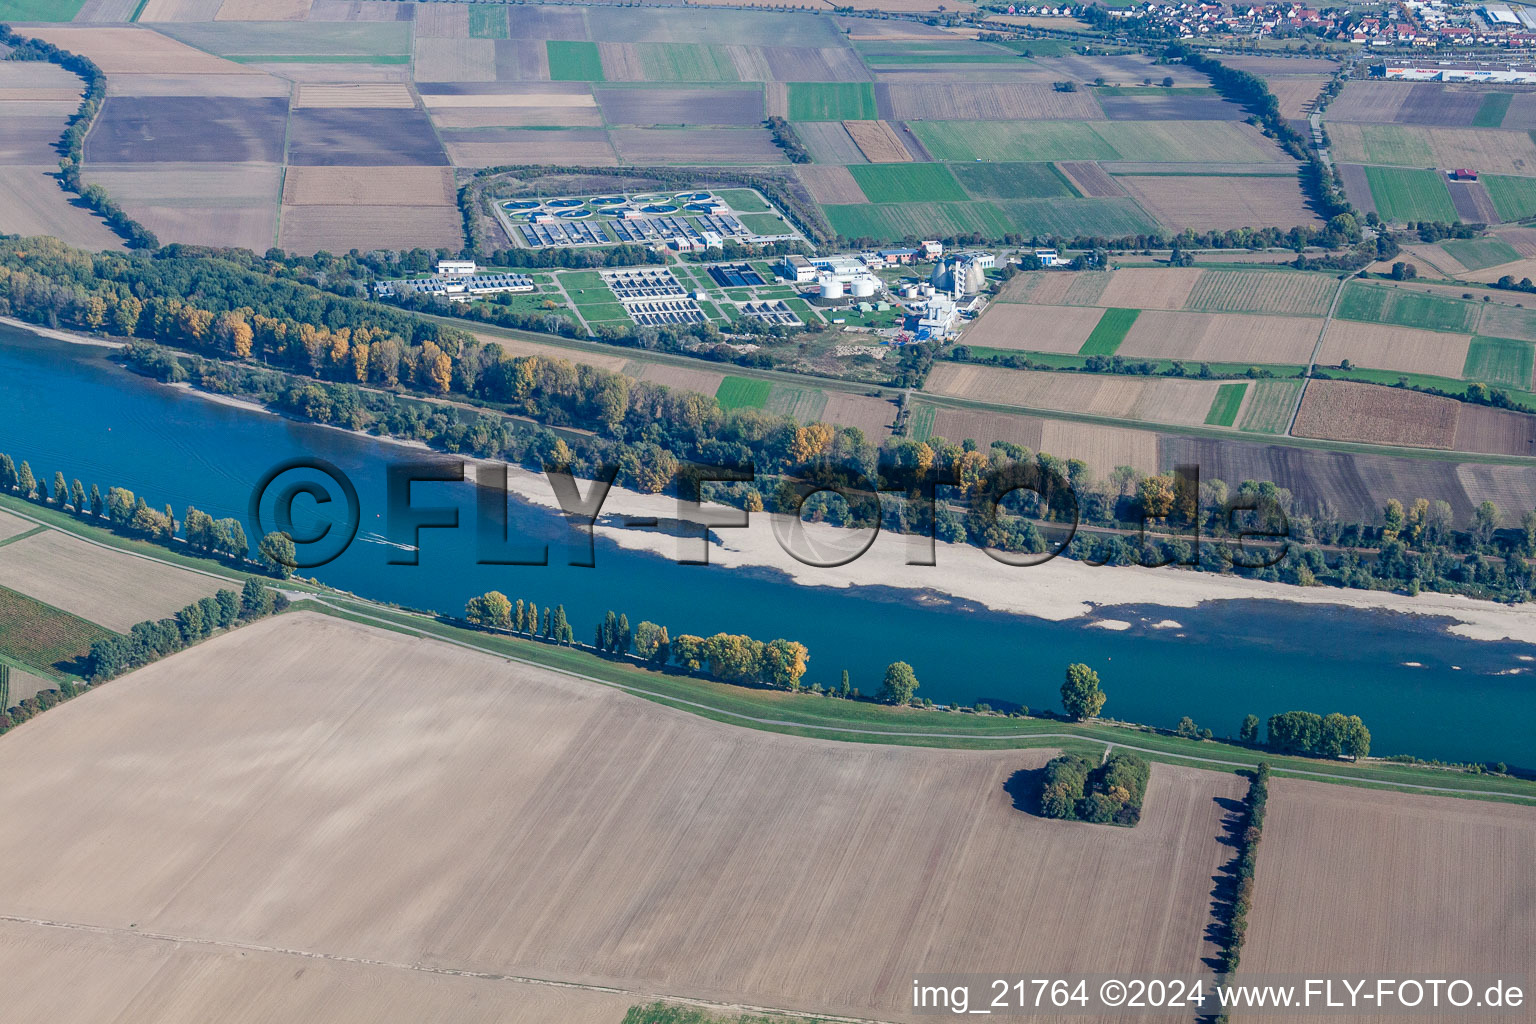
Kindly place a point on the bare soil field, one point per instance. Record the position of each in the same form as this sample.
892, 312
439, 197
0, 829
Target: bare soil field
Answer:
1041, 287
179, 10
798, 63
830, 184
32, 203
371, 94
1296, 93
1119, 70
517, 117
874, 416
553, 104
1158, 105
309, 229
982, 101
263, 10
1221, 338
681, 106
141, 51
1103, 448
25, 684
108, 587
1033, 328
1091, 180
362, 138
1155, 400
454, 60
696, 146
252, 226
369, 186
1267, 66
1357, 187
11, 525
1369, 102
830, 143
1523, 239
177, 983
1472, 202
197, 185
1211, 203
1496, 431
344, 835
360, 10
548, 22
588, 357
246, 85
492, 146
1449, 896
446, 21
1263, 291
1346, 411
193, 129
878, 141
1384, 347
1158, 288
956, 425
678, 378
30, 132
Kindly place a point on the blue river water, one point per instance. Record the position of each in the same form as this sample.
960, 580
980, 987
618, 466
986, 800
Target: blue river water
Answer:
66, 407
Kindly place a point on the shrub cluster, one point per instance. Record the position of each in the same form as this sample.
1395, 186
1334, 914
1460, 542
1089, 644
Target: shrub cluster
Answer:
1108, 794
150, 640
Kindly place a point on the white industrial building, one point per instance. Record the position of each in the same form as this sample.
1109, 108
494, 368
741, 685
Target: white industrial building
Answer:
456, 268
1047, 257
456, 284
1456, 71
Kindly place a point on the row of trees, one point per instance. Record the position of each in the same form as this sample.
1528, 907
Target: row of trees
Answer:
1304, 732
151, 640
494, 610
1108, 793
1249, 833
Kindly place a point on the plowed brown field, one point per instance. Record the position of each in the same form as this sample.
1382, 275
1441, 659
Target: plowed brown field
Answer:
1346, 411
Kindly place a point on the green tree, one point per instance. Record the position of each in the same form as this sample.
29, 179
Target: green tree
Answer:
1188, 729
517, 617
1393, 520
652, 643
25, 481
899, 684
784, 663
190, 622
1080, 694
843, 688
1249, 733
491, 610
77, 496
278, 554
688, 651
229, 607
60, 490
8, 476
1485, 521
560, 629
98, 507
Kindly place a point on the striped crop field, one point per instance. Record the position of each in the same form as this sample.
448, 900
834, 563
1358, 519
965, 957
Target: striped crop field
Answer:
1229, 399
1110, 331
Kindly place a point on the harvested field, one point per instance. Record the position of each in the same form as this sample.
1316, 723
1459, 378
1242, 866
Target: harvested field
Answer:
830, 184
1035, 328
1341, 410
1103, 448
1263, 291
360, 10
681, 106
13, 526
105, 586
990, 101
447, 21
289, 39
829, 143
874, 416
1522, 238
548, 22
679, 378
1500, 321
1330, 896
614, 23
105, 12
385, 94
263, 10
586, 783
490, 147
26, 684
455, 60
797, 63
521, 60
1156, 400
178, 10
252, 227
1297, 93
535, 104
696, 146
1357, 187
1044, 287
583, 356
647, 62
1490, 151
32, 203
1091, 180
1372, 102
957, 425
1157, 105
142, 51
198, 204
309, 229
362, 138
1214, 203
1152, 288
1222, 338
1472, 202
1405, 349
193, 129
370, 186
877, 141
246, 85
1480, 428
1084, 289
1524, 268
1267, 409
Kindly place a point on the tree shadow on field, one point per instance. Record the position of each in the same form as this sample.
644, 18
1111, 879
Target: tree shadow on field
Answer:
1224, 882
1024, 787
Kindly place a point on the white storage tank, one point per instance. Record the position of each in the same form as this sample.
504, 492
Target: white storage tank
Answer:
909, 291
831, 289
863, 287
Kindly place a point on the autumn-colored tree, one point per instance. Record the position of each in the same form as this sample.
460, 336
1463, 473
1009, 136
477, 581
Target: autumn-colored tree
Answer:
126, 313
1157, 495
1393, 520
809, 442
784, 663
95, 312
492, 610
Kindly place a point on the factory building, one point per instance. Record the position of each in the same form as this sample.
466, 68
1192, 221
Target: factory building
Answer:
456, 268
1457, 71
456, 285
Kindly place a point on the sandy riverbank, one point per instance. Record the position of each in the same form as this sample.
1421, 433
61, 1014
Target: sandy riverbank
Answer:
47, 332
1057, 590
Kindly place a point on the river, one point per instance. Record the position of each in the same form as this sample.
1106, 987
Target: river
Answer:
1419, 688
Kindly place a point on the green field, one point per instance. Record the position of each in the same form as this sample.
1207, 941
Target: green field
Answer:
42, 636
1500, 361
1229, 399
1013, 180
1513, 198
1394, 144
1406, 308
743, 393
832, 101
342, 39
765, 223
1404, 194
1110, 218
1479, 253
487, 21
805, 404
1269, 407
573, 61
920, 422
1109, 332
599, 312
1064, 218
39, 10
744, 200
1491, 114
686, 62
1140, 141
907, 183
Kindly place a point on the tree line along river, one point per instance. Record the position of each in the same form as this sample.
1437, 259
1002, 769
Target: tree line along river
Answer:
1420, 689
